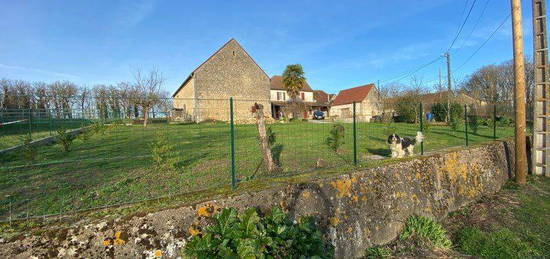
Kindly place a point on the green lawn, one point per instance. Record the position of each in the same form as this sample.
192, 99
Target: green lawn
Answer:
14, 134
117, 166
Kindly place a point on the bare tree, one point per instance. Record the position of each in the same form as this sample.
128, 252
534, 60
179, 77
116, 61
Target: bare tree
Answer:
42, 98
84, 101
101, 97
126, 93
147, 87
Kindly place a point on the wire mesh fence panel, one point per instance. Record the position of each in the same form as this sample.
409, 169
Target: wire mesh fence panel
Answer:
112, 152
114, 160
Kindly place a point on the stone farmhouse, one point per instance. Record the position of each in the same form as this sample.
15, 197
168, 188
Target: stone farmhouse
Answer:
229, 72
279, 98
367, 104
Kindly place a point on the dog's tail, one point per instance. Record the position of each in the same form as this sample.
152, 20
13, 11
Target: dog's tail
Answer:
419, 137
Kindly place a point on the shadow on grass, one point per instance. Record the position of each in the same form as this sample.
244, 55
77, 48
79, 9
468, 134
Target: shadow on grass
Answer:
380, 151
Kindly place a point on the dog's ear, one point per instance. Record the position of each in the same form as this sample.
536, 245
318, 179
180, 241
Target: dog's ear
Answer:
390, 137
398, 141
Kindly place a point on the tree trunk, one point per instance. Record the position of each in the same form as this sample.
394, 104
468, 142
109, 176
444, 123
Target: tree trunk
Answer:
264, 145
145, 116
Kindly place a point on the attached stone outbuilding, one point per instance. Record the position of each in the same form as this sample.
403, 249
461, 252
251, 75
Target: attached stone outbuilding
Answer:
367, 103
229, 72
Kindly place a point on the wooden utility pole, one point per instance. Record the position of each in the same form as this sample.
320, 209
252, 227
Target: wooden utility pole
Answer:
519, 94
439, 85
540, 155
449, 93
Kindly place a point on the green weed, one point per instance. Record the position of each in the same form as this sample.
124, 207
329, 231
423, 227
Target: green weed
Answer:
249, 235
377, 252
426, 229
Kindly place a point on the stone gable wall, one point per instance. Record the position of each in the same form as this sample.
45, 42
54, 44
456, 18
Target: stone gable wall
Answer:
230, 73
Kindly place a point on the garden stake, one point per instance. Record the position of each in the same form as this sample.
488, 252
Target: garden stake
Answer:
354, 137
232, 130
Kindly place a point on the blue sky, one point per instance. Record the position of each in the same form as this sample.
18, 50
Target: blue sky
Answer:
340, 44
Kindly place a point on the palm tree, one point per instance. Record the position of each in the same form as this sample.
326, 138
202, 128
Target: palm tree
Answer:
293, 81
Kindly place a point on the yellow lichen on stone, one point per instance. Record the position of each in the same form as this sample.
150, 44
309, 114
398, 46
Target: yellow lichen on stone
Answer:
417, 176
453, 169
355, 198
350, 229
158, 253
192, 231
334, 221
106, 242
205, 211
117, 240
306, 194
343, 187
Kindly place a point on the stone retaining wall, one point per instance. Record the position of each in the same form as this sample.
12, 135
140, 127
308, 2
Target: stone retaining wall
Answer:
355, 210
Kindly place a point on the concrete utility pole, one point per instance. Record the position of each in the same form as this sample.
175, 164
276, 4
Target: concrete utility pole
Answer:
449, 93
519, 94
540, 155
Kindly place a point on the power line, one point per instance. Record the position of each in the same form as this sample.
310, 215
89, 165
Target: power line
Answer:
485, 42
413, 71
462, 26
477, 22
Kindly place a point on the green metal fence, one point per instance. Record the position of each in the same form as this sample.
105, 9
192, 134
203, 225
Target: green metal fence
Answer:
201, 144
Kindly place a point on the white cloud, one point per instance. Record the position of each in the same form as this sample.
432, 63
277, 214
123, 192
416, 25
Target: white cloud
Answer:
133, 13
40, 71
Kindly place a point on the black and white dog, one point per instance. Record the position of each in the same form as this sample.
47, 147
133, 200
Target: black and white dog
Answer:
401, 146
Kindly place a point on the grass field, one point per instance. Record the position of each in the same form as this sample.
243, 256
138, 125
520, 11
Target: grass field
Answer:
14, 134
116, 166
512, 223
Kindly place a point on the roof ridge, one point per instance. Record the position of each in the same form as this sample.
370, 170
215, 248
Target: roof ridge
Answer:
214, 54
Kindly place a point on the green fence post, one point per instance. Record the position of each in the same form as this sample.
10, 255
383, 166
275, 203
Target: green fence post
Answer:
421, 129
495, 121
50, 121
232, 129
354, 136
466, 123
30, 123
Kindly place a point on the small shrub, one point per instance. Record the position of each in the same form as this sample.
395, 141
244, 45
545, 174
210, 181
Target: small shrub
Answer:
65, 139
29, 151
336, 137
502, 243
249, 235
504, 121
98, 128
439, 111
474, 122
377, 252
426, 229
455, 123
407, 108
161, 149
